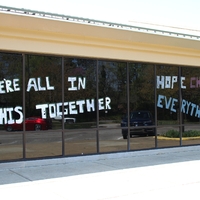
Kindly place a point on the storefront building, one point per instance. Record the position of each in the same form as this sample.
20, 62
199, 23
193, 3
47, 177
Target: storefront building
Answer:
66, 86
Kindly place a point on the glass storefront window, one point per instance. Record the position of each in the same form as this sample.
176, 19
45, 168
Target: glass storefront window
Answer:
167, 89
75, 106
142, 106
190, 108
80, 106
43, 96
11, 113
112, 93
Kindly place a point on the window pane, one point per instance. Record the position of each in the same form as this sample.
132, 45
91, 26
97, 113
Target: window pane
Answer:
113, 105
142, 106
80, 106
11, 113
190, 111
43, 100
167, 104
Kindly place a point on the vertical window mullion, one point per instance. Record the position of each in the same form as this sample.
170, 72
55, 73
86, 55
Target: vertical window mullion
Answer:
128, 106
180, 100
155, 106
63, 96
24, 106
97, 105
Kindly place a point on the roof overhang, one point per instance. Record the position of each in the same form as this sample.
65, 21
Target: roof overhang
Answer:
30, 34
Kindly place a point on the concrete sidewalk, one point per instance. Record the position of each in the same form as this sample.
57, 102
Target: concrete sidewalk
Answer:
152, 174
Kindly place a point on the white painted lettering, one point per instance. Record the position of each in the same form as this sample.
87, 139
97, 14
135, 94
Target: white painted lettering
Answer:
8, 86
16, 84
182, 86
59, 109
2, 89
81, 83
90, 105
3, 116
32, 84
43, 108
169, 81
174, 80
18, 109
10, 119
40, 88
81, 104
72, 80
160, 82
48, 84
52, 110
101, 104
72, 108
108, 101
159, 102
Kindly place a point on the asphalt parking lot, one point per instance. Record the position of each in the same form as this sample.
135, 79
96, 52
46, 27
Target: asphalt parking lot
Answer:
49, 143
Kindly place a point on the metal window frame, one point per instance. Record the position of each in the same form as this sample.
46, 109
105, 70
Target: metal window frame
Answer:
97, 96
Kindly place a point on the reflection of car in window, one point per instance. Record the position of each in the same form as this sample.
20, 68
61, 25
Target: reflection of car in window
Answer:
138, 118
31, 124
69, 120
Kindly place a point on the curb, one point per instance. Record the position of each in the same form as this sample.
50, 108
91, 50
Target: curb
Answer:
183, 138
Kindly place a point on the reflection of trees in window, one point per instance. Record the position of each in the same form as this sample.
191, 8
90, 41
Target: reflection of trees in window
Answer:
11, 68
83, 69
43, 66
112, 83
80, 68
141, 80
121, 95
192, 91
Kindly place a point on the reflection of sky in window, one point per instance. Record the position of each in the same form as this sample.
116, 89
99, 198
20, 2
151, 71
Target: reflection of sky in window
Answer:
80, 63
74, 61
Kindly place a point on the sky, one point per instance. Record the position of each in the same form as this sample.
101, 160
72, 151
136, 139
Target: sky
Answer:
183, 14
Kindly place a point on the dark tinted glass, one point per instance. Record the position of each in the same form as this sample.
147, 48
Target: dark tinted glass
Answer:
43, 100
11, 110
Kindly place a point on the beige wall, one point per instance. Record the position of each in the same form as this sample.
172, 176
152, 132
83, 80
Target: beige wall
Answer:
39, 35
